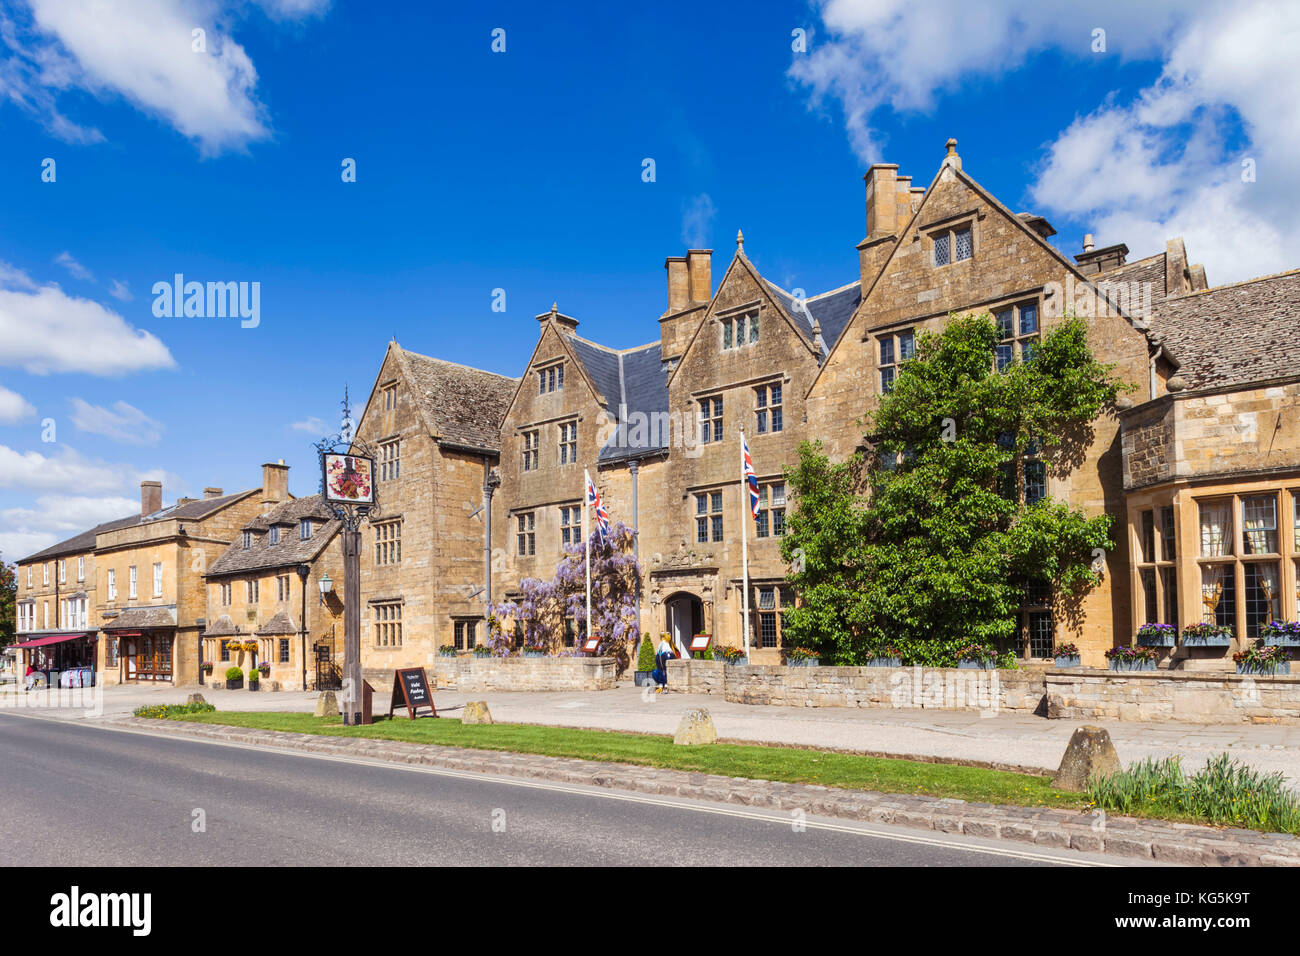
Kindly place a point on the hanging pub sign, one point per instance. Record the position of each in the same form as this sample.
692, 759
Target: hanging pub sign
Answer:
411, 690
348, 479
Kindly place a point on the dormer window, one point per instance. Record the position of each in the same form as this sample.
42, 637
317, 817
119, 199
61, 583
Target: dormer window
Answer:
273, 536
953, 244
550, 379
248, 540
304, 529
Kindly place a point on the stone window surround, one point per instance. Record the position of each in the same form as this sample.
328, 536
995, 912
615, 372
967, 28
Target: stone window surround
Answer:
389, 392
950, 226
567, 444
1286, 558
1154, 569
766, 385
548, 384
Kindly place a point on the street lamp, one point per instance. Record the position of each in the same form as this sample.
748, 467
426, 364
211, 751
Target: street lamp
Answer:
326, 586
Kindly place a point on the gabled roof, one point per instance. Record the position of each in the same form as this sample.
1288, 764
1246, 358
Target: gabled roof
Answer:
831, 310
461, 405
290, 550
1233, 334
280, 623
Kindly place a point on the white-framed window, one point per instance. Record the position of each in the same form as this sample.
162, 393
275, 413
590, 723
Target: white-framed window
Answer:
282, 587
45, 573
570, 525
526, 533
953, 244
133, 582
273, 535
63, 571
895, 349
708, 516
157, 579
530, 449
304, 529
768, 413
225, 594
1017, 333
550, 379
248, 540
112, 584
47, 615
388, 624
388, 542
252, 591
390, 459
568, 443
771, 510
739, 331
710, 420
81, 567
29, 577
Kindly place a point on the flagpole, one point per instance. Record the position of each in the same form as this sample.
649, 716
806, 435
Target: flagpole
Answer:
745, 517
586, 537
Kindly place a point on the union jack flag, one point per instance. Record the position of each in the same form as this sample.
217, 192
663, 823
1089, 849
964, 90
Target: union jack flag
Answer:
747, 472
593, 501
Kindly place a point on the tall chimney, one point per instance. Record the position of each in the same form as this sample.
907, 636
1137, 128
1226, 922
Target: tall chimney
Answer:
275, 483
699, 268
1087, 242
679, 285
150, 497
886, 203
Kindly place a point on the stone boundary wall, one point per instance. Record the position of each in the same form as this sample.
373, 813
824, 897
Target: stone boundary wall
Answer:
945, 688
517, 673
1194, 697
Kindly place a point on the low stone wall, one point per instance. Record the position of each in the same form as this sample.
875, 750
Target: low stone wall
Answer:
519, 673
945, 688
1194, 697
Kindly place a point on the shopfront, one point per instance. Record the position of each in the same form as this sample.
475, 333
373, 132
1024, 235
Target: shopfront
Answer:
142, 642
64, 659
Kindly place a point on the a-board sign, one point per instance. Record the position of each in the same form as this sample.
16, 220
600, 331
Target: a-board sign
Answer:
411, 690
591, 644
700, 642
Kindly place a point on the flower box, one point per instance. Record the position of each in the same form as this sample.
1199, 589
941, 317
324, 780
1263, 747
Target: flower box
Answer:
806, 662
1153, 638
884, 662
1207, 640
1281, 634
1073, 661
977, 665
1118, 665
1264, 670
534, 654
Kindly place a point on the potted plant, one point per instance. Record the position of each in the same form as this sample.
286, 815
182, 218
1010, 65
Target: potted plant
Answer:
977, 657
1157, 635
801, 657
1067, 655
265, 669
207, 667
234, 678
645, 662
1131, 659
254, 678
447, 650
1281, 634
734, 656
533, 650
1207, 635
886, 656
1263, 659
482, 650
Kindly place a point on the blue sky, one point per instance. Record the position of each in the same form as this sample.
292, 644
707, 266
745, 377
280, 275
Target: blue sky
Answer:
522, 170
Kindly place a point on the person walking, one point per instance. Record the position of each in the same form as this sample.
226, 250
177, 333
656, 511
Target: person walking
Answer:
663, 655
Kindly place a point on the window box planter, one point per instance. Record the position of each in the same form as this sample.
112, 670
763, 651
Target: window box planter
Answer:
806, 662
884, 662
1207, 635
1281, 634
1118, 665
1264, 670
977, 665
1072, 661
534, 654
738, 662
1156, 635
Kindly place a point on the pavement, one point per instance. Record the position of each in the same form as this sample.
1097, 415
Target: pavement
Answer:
96, 797
1004, 740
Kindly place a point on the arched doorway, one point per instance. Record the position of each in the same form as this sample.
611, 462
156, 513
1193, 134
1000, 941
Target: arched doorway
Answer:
683, 617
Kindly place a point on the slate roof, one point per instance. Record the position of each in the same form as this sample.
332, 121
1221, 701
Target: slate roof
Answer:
142, 619
290, 550
280, 623
221, 627
832, 310
1233, 334
464, 405
85, 541
631, 381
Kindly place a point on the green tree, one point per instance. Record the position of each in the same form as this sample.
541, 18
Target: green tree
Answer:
8, 597
925, 539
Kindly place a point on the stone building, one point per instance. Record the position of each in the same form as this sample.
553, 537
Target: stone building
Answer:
434, 427
55, 602
278, 587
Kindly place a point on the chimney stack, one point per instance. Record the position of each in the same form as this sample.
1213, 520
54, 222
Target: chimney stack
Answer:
1087, 242
275, 483
699, 272
211, 492
150, 497
1093, 261
679, 283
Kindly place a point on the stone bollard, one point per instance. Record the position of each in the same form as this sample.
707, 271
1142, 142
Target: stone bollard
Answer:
327, 704
1089, 754
476, 712
696, 727
196, 699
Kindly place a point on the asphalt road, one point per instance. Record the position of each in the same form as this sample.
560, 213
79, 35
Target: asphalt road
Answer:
76, 795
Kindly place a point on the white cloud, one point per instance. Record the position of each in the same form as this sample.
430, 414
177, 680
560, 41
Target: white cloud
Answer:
46, 330
14, 409
77, 270
122, 422
312, 425
119, 290
1135, 169
697, 221
56, 518
143, 51
68, 470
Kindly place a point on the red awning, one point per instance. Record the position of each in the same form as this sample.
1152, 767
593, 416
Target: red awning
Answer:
52, 639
